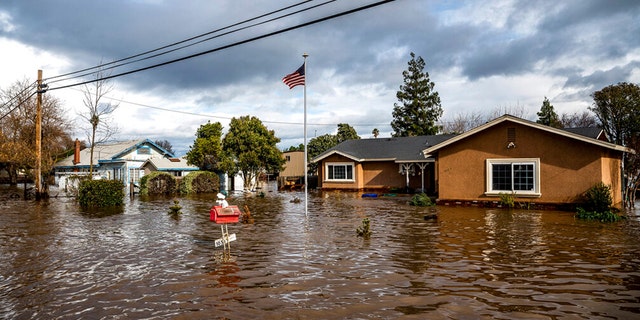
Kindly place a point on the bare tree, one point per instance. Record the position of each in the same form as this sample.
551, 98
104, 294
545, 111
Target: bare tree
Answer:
516, 111
463, 122
578, 120
98, 114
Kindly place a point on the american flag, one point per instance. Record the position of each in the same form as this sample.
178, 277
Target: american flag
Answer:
295, 79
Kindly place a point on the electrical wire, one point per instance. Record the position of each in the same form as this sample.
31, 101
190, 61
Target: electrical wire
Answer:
102, 66
31, 85
18, 104
191, 44
305, 24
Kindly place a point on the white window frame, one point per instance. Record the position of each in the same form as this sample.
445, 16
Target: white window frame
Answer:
523, 193
345, 164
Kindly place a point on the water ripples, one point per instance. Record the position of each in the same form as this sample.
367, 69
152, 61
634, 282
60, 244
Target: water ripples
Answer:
59, 262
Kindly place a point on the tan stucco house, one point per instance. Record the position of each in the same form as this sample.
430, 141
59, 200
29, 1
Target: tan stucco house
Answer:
536, 163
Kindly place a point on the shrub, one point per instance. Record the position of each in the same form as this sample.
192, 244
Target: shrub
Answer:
200, 182
598, 198
597, 201
157, 183
364, 230
508, 199
420, 200
606, 216
101, 193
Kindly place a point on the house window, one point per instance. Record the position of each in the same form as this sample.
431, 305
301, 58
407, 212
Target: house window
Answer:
134, 175
339, 171
520, 176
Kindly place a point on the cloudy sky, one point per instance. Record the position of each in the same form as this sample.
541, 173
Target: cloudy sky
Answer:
484, 56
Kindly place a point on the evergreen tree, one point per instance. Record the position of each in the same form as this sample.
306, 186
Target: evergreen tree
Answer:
419, 108
548, 115
346, 132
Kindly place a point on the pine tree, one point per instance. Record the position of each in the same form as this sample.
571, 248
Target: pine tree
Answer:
419, 108
548, 115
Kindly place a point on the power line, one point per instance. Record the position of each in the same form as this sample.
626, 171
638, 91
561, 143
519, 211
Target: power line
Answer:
225, 118
18, 104
101, 66
31, 85
305, 24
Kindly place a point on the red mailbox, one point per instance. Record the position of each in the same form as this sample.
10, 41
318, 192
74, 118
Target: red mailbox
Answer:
230, 214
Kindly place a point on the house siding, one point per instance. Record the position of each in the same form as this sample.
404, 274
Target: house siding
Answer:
371, 175
568, 167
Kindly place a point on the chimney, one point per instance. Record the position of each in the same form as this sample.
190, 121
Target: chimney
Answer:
76, 152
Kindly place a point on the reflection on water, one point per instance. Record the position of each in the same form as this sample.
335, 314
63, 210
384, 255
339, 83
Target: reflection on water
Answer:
59, 262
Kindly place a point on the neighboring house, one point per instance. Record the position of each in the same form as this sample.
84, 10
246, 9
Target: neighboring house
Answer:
292, 176
177, 167
381, 163
113, 161
510, 155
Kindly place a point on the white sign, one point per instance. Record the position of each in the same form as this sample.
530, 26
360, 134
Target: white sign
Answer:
231, 237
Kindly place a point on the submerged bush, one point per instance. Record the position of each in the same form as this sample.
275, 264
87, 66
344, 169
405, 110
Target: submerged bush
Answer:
421, 200
365, 229
157, 183
508, 199
597, 202
606, 216
101, 193
200, 182
598, 198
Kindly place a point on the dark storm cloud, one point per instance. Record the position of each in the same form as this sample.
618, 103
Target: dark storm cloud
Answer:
600, 28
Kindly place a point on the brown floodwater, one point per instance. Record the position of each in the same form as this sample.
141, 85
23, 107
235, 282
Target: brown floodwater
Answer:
58, 262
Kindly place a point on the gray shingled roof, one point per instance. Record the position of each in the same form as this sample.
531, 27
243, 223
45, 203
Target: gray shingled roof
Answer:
399, 149
591, 132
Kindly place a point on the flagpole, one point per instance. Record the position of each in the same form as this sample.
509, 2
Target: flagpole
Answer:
306, 80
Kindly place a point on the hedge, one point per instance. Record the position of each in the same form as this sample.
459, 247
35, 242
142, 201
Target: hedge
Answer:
101, 193
158, 182
200, 182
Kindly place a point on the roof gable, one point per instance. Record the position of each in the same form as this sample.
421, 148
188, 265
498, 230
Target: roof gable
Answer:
509, 118
109, 152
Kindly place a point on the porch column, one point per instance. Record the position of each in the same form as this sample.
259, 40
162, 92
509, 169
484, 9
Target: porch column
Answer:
422, 166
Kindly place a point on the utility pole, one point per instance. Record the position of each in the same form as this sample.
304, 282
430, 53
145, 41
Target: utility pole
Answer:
42, 88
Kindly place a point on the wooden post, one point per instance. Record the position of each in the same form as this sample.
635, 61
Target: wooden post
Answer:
38, 174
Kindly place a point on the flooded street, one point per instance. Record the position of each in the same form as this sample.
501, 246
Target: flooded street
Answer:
471, 263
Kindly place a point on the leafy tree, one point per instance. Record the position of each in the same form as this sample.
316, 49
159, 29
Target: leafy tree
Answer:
375, 132
17, 130
346, 132
250, 148
300, 147
617, 107
165, 144
547, 115
97, 114
206, 151
318, 145
419, 107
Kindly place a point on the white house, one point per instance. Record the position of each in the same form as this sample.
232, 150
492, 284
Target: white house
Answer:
113, 161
